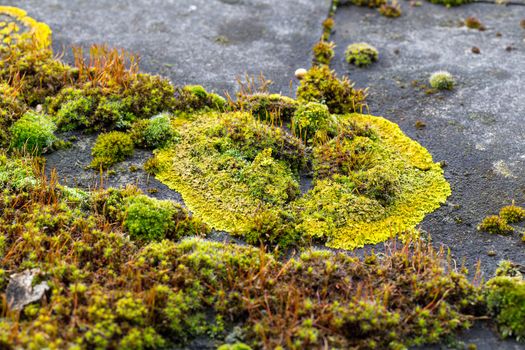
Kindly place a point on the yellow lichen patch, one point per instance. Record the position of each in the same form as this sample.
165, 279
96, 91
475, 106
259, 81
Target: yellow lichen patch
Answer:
371, 182
421, 188
213, 175
38, 32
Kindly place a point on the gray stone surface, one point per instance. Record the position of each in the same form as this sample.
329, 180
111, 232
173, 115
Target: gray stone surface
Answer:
21, 292
207, 42
477, 129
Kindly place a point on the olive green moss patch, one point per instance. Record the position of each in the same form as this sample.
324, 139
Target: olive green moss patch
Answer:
370, 181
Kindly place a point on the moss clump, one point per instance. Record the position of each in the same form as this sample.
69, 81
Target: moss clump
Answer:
392, 10
473, 23
16, 174
95, 109
73, 108
361, 54
442, 80
369, 179
273, 108
494, 224
33, 132
369, 3
328, 25
153, 133
111, 148
512, 214
149, 95
11, 109
105, 92
450, 3
195, 98
323, 52
235, 346
505, 295
149, 219
320, 84
111, 292
313, 122
269, 180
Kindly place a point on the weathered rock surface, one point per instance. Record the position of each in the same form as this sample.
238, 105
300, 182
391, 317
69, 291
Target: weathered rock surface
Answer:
21, 292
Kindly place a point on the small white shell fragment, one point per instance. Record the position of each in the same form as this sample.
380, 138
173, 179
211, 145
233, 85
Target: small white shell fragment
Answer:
300, 73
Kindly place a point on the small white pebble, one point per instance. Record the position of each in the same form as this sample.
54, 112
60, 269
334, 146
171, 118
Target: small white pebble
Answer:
300, 73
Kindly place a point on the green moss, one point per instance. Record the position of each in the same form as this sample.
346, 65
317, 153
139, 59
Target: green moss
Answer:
159, 131
141, 339
111, 148
131, 309
495, 225
273, 108
509, 269
322, 85
11, 109
192, 98
33, 132
125, 294
442, 80
369, 3
113, 112
361, 54
328, 25
371, 182
274, 227
92, 109
450, 3
392, 10
16, 173
506, 303
235, 346
323, 52
149, 95
112, 292
26, 55
312, 121
512, 214
153, 133
73, 109
473, 23
269, 180
150, 219
344, 155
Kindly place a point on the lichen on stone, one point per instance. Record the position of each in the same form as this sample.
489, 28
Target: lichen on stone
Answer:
383, 183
